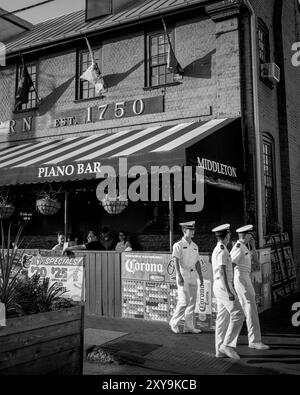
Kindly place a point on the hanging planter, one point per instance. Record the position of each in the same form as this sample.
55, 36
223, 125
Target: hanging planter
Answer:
47, 206
6, 210
47, 203
114, 205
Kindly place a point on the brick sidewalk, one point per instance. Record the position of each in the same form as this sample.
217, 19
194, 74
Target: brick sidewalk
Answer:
194, 354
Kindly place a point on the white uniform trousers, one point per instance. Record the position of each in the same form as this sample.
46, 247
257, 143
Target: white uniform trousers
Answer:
230, 317
246, 294
186, 300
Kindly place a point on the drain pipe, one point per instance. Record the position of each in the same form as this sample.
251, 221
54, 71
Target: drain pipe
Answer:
255, 72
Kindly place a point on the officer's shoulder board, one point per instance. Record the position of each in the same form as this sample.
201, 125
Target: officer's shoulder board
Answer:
180, 243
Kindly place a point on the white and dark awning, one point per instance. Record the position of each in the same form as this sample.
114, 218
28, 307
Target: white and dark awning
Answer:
79, 158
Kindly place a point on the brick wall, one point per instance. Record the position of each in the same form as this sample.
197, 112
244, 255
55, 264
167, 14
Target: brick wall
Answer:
211, 80
291, 34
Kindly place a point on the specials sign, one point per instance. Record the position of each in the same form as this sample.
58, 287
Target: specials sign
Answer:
64, 272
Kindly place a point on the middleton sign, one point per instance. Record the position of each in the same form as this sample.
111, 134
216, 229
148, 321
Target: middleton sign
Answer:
217, 167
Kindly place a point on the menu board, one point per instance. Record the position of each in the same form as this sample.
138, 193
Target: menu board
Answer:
149, 289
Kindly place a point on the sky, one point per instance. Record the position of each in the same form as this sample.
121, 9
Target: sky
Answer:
43, 12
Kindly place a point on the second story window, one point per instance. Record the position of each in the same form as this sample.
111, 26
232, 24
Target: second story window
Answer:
157, 56
263, 42
32, 96
269, 182
85, 89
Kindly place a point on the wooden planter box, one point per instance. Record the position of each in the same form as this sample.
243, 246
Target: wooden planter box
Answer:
44, 343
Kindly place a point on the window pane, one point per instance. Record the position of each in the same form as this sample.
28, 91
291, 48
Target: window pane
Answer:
169, 78
158, 53
270, 194
32, 99
161, 39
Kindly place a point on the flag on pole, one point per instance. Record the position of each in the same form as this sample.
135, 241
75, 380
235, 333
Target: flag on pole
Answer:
173, 65
93, 74
25, 83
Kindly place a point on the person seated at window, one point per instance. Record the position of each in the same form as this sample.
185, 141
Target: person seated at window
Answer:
72, 240
60, 242
124, 243
106, 240
93, 244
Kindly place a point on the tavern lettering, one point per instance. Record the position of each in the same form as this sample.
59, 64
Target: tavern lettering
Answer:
25, 124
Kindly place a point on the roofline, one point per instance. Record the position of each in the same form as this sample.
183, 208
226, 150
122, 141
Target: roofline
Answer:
119, 25
16, 20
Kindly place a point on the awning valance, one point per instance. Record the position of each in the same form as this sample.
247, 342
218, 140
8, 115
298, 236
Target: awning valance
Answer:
79, 158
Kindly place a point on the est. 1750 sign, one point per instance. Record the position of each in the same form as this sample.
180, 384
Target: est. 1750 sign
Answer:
116, 110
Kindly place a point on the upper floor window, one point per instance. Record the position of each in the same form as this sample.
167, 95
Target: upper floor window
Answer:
263, 42
85, 89
32, 95
269, 182
157, 57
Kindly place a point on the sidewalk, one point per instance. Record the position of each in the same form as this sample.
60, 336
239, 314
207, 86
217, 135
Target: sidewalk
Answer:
150, 348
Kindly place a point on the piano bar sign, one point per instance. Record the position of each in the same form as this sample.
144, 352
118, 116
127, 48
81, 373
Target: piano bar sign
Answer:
217, 167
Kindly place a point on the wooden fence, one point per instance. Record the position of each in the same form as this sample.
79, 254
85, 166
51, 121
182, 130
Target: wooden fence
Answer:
103, 283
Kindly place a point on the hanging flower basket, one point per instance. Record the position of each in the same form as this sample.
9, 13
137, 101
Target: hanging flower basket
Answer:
114, 205
47, 206
6, 210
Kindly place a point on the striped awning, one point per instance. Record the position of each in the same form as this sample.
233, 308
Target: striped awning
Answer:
78, 158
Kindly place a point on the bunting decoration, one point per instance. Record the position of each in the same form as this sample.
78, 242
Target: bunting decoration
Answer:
173, 65
93, 73
25, 83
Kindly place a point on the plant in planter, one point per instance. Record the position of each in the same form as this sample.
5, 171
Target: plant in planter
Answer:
33, 295
47, 202
10, 268
43, 332
6, 207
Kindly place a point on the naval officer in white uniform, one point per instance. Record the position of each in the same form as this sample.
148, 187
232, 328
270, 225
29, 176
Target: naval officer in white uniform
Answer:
230, 316
188, 269
241, 258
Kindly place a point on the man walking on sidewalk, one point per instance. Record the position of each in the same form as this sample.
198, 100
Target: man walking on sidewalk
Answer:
241, 258
230, 315
188, 268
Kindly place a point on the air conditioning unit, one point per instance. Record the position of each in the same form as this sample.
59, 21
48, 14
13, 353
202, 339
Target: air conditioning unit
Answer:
270, 71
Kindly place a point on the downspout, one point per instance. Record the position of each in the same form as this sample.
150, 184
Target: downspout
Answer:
255, 72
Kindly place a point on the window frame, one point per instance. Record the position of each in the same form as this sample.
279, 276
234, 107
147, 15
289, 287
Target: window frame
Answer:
268, 141
79, 71
148, 68
20, 109
264, 31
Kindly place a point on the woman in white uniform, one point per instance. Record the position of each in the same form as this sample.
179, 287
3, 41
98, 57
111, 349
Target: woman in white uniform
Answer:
241, 259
